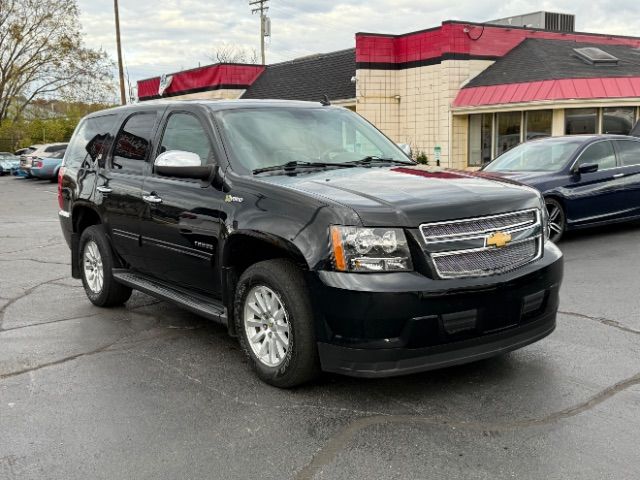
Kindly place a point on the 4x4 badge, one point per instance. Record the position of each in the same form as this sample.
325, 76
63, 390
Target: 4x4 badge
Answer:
498, 239
231, 198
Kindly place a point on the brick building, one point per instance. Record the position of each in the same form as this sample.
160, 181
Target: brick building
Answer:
462, 91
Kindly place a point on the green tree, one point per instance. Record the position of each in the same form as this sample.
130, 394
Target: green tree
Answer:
42, 56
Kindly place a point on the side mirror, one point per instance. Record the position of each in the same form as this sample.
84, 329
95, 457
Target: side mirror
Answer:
181, 164
405, 148
586, 168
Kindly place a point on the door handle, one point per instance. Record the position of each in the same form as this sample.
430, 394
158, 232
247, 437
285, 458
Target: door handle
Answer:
153, 198
618, 175
102, 189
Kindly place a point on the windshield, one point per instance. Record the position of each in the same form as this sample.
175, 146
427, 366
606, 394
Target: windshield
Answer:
536, 156
266, 137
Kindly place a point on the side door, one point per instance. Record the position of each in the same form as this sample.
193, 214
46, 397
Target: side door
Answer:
183, 217
629, 174
119, 186
594, 196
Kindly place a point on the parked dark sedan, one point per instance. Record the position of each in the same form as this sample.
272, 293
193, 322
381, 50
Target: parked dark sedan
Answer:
586, 180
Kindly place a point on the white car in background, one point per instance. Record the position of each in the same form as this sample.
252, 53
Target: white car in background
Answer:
37, 151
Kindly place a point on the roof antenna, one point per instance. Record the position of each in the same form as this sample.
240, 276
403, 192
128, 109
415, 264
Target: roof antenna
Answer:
325, 102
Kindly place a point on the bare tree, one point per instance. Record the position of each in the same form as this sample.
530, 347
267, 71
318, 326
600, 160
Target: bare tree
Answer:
42, 55
227, 53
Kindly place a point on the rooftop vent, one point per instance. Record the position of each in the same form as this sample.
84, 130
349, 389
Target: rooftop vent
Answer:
555, 22
596, 56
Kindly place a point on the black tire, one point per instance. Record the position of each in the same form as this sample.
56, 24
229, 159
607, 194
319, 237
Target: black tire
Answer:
300, 363
110, 293
557, 219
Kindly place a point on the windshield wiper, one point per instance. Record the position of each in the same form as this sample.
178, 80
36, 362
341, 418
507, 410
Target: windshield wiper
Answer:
374, 159
298, 164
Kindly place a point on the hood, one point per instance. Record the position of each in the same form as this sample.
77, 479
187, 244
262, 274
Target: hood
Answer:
408, 196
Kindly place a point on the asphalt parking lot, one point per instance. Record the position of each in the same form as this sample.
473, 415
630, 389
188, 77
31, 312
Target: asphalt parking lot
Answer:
150, 391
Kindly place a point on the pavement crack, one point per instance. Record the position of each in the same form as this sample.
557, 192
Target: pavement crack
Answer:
46, 262
27, 292
605, 321
339, 442
58, 362
32, 325
588, 404
103, 348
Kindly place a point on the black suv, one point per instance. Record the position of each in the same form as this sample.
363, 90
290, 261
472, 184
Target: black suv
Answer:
309, 234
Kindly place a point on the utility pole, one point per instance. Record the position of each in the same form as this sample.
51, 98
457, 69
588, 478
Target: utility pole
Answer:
123, 97
260, 6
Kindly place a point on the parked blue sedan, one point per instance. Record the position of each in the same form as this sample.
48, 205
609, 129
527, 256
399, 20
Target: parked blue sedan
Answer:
47, 167
586, 180
8, 163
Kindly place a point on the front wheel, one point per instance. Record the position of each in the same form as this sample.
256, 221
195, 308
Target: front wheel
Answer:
96, 266
557, 219
274, 321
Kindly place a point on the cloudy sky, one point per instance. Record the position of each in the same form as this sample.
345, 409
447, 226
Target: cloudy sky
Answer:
162, 36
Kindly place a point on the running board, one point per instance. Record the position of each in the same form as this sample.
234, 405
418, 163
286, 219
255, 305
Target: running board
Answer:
199, 304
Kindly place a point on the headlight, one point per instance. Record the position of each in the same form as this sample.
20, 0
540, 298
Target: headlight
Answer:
358, 249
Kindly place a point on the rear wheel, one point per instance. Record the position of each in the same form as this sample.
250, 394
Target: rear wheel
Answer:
274, 321
96, 266
557, 219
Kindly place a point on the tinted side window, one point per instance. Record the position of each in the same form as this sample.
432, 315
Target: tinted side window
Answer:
55, 148
600, 153
91, 141
185, 132
134, 142
629, 152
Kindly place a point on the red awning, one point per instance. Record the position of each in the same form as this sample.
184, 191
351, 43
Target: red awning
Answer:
210, 77
549, 90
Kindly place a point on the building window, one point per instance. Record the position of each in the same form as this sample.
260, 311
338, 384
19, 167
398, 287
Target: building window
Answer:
618, 120
508, 125
538, 124
479, 139
580, 120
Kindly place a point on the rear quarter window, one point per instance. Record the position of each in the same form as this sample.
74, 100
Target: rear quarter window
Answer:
55, 148
629, 152
91, 142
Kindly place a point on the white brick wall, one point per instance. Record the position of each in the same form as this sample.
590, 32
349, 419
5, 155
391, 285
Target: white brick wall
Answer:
422, 115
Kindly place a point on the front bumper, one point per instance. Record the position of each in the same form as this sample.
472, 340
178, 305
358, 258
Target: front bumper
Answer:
372, 325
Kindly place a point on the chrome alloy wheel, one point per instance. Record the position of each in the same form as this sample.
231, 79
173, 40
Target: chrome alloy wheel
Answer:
266, 325
556, 221
92, 265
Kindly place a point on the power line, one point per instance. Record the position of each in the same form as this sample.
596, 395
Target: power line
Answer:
260, 6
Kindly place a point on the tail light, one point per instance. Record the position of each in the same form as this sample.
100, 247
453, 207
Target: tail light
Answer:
37, 164
60, 199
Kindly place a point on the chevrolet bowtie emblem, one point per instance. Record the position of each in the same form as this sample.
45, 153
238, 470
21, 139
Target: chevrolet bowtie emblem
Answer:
498, 239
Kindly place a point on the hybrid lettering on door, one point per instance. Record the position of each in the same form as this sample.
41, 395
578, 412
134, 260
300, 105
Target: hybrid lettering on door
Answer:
206, 246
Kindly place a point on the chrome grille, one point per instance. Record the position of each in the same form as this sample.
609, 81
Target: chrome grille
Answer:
486, 261
445, 231
461, 248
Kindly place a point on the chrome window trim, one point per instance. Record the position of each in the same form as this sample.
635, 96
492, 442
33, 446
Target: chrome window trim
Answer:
615, 147
615, 153
480, 233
